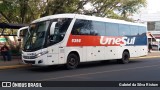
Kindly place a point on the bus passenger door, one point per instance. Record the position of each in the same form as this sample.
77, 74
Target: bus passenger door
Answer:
52, 42
61, 56
52, 56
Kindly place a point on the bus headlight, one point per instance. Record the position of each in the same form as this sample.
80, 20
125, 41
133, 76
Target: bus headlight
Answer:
42, 53
38, 55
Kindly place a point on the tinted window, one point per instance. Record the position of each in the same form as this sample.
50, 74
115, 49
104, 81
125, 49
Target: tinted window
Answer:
124, 30
59, 30
142, 30
86, 27
82, 27
111, 29
98, 28
134, 30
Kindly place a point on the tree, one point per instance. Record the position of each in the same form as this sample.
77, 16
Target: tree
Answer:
21, 11
25, 11
130, 7
64, 6
118, 9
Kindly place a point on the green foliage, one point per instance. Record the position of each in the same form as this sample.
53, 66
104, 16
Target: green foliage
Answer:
117, 9
25, 11
64, 6
130, 7
20, 11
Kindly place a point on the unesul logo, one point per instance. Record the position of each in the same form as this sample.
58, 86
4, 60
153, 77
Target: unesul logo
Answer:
117, 40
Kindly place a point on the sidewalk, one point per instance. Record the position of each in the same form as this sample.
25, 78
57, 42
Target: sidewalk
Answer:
17, 62
154, 53
14, 63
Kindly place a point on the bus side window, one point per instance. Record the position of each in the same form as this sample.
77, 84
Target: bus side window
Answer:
110, 28
75, 31
134, 30
124, 30
82, 27
98, 28
142, 30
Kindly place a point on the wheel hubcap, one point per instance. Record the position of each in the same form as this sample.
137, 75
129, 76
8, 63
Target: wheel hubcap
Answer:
72, 61
125, 57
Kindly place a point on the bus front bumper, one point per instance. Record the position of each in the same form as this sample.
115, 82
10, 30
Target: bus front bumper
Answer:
38, 61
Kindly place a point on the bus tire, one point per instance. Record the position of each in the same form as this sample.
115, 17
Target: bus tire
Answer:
125, 58
72, 61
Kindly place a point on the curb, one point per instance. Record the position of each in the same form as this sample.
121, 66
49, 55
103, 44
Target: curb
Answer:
13, 67
151, 57
146, 57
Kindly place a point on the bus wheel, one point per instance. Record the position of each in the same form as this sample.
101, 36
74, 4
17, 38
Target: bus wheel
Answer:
125, 58
72, 61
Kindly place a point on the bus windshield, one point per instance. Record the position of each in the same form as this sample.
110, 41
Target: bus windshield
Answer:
38, 33
36, 39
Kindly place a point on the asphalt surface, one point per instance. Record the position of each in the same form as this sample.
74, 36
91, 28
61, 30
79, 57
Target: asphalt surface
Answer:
137, 70
16, 62
142, 69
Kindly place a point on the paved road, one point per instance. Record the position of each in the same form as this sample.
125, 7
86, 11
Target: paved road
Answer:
136, 70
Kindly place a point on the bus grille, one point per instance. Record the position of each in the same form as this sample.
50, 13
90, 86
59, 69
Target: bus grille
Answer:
29, 62
29, 57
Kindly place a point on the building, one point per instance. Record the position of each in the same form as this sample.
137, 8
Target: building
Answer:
152, 20
154, 29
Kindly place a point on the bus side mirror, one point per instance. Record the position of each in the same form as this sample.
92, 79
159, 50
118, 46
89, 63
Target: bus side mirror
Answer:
52, 28
19, 30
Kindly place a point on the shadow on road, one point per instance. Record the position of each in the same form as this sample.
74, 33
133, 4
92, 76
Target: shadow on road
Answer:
81, 66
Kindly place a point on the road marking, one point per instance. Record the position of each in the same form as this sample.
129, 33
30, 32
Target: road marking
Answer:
85, 74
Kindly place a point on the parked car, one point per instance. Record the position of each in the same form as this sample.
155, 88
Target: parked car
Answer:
155, 47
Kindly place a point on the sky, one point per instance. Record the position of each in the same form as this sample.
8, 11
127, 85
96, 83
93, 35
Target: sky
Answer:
150, 13
153, 6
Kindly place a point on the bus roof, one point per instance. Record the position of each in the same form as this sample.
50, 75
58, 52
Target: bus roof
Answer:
86, 17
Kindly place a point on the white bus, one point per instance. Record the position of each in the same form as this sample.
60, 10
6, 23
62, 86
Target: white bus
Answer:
72, 38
